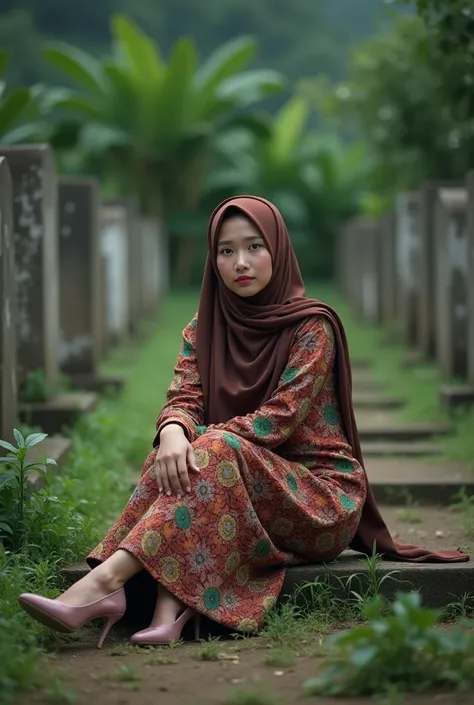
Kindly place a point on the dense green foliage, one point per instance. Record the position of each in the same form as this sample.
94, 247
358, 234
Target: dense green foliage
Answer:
410, 102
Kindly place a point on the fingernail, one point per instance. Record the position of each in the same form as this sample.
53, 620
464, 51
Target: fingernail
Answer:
188, 489
168, 494
160, 489
179, 496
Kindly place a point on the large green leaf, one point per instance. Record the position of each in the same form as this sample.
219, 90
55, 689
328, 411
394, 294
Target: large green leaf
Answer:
99, 138
223, 63
174, 98
123, 105
248, 87
139, 52
12, 108
78, 104
288, 128
77, 64
29, 132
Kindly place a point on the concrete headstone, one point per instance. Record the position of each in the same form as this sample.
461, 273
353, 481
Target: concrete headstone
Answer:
407, 248
451, 274
79, 253
36, 254
8, 389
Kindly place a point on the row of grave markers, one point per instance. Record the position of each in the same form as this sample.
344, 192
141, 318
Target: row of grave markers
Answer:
414, 269
76, 274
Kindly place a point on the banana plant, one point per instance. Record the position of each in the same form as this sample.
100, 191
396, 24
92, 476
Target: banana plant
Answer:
17, 108
155, 120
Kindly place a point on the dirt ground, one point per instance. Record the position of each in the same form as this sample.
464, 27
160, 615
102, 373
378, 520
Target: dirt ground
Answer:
124, 675
178, 677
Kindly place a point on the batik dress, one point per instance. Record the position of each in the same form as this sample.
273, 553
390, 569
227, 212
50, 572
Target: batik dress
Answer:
276, 488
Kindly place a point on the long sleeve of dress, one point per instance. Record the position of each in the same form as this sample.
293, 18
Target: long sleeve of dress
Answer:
310, 363
184, 399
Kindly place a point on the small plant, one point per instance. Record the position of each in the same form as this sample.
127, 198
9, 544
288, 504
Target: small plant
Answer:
34, 388
13, 484
211, 650
249, 697
125, 674
280, 658
402, 651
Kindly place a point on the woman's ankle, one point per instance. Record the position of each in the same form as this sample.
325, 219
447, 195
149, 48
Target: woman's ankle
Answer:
106, 579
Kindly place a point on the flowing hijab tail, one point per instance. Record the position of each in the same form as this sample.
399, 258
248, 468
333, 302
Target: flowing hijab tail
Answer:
372, 527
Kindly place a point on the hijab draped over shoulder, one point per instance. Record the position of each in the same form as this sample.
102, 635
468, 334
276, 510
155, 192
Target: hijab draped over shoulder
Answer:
243, 345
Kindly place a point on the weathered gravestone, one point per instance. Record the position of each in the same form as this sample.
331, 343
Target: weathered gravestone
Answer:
387, 269
426, 327
35, 229
115, 246
407, 248
451, 272
36, 255
451, 301
80, 309
131, 217
153, 264
363, 267
8, 398
470, 286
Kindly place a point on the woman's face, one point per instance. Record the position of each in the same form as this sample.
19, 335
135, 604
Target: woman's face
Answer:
243, 259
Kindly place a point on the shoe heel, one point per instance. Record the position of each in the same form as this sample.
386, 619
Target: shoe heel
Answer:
108, 626
197, 626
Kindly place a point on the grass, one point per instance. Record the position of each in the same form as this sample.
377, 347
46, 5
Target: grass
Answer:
71, 513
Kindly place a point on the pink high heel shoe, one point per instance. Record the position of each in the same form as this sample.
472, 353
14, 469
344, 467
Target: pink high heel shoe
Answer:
167, 632
66, 618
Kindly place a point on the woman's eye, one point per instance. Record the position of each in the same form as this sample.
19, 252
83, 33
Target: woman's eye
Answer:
256, 245
225, 251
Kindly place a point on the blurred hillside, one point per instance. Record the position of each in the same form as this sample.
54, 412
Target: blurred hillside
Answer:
300, 38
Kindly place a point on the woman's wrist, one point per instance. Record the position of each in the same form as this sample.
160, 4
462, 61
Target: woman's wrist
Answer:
172, 428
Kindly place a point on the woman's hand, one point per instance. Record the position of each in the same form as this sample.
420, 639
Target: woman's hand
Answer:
174, 458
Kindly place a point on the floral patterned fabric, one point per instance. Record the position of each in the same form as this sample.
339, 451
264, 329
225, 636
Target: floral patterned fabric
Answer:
277, 487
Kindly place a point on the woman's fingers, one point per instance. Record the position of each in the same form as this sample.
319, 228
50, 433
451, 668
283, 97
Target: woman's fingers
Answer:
173, 477
191, 458
165, 479
182, 467
158, 475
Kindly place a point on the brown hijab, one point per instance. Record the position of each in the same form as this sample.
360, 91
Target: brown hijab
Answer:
243, 346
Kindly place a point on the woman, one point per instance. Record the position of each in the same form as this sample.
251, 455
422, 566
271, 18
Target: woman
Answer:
258, 463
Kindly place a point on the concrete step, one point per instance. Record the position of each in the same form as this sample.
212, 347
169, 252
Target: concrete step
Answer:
405, 449
55, 447
435, 481
62, 410
377, 425
376, 400
439, 583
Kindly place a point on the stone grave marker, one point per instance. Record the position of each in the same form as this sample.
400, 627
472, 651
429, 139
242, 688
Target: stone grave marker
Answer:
426, 309
115, 246
387, 269
451, 272
407, 248
79, 252
36, 255
80, 311
153, 264
8, 390
134, 259
470, 279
